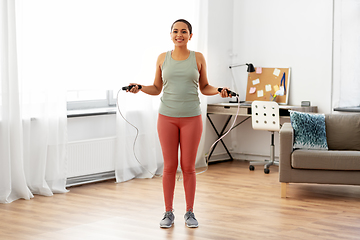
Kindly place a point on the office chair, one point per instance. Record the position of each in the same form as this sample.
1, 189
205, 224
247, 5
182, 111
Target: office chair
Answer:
265, 116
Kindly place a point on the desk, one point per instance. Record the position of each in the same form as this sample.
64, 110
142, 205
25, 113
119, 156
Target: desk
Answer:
230, 109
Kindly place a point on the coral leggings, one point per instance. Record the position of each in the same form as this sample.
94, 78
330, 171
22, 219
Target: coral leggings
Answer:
186, 132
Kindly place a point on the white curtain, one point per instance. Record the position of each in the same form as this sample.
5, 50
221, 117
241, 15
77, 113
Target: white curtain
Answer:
48, 47
32, 118
141, 110
346, 80
12, 176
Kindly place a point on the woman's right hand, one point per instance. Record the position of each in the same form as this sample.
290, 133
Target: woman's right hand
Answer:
134, 89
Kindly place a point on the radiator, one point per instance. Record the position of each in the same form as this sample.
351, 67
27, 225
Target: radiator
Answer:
90, 161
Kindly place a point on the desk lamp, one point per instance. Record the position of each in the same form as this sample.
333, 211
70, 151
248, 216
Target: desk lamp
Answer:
250, 68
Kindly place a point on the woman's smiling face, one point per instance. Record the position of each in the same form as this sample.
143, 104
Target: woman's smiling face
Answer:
180, 34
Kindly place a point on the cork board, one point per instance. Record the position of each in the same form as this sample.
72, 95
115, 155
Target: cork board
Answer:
265, 83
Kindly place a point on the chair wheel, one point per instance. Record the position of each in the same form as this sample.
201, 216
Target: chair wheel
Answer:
252, 168
266, 171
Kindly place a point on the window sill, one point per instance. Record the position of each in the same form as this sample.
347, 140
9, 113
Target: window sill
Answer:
348, 109
91, 112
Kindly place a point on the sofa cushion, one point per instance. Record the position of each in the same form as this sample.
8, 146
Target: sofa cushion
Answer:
309, 130
343, 131
325, 160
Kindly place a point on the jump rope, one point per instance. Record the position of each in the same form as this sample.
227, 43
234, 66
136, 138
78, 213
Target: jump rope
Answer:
137, 130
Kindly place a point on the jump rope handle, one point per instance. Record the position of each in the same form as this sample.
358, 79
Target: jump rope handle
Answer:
130, 87
233, 94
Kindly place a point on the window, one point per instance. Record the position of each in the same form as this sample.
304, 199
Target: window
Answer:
70, 46
85, 99
346, 74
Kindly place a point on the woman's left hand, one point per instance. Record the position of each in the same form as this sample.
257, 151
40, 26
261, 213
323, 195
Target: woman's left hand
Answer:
224, 92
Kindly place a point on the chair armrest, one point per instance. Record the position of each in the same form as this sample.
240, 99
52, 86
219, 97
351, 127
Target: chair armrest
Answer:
286, 135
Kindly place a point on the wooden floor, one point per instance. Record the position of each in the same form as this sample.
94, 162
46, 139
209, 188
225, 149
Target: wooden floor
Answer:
231, 203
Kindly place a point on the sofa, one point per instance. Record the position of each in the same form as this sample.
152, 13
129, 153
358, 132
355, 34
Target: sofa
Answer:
336, 163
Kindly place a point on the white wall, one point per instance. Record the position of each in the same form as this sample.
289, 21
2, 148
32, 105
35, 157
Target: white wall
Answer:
276, 33
220, 41
296, 34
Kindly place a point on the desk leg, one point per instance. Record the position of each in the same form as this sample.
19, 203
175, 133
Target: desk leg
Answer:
240, 122
219, 135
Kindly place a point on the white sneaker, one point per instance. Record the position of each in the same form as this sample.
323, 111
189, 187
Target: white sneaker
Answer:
168, 220
190, 220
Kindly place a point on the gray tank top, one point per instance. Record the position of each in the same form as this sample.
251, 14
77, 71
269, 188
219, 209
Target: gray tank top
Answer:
180, 87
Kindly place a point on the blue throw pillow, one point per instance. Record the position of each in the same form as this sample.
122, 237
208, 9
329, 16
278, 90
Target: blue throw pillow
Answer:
309, 130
